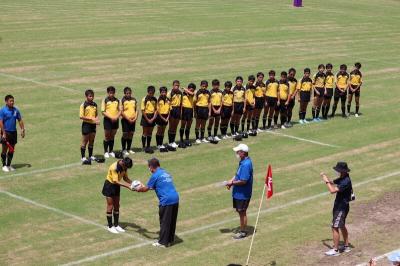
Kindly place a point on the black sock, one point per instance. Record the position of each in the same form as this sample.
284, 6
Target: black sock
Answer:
300, 115
232, 126
269, 122
123, 143
116, 218
196, 132
187, 133
323, 111
158, 141
348, 108
222, 128
10, 155
275, 120
357, 108
109, 219
289, 115
283, 120
111, 145
105, 145
170, 137
209, 131
257, 123
181, 132
237, 128
343, 110
304, 115
128, 144
148, 141
243, 125
248, 125
317, 112
334, 109
202, 131
215, 130
313, 112
253, 124
83, 150
3, 158
143, 141
90, 149
173, 136
264, 121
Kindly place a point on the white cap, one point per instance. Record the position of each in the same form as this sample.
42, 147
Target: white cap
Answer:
241, 147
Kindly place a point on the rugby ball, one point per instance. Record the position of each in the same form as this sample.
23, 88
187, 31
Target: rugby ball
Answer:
136, 184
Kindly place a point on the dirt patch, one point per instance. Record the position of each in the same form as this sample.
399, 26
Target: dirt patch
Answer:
371, 223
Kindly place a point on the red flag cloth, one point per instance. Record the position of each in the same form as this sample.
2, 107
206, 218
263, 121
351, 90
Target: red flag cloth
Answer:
268, 182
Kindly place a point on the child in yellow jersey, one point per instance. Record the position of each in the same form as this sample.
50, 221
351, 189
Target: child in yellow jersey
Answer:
175, 98
281, 106
272, 98
259, 99
163, 107
111, 110
202, 111
342, 84
250, 104
328, 94
227, 109
89, 116
148, 107
355, 85
187, 114
128, 121
319, 91
304, 86
292, 95
239, 104
216, 107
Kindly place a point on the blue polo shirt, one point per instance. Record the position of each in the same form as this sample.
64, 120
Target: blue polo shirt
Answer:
162, 183
244, 172
9, 116
343, 196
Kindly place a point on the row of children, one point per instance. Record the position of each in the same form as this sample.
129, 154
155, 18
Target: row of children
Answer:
237, 105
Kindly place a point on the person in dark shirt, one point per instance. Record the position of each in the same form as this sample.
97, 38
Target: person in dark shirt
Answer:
343, 189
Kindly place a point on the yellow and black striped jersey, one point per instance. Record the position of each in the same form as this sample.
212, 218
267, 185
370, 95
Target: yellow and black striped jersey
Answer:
202, 98
110, 106
260, 90
163, 105
187, 100
283, 90
216, 97
342, 79
149, 105
305, 84
355, 77
129, 106
227, 98
330, 80
175, 98
319, 80
238, 94
292, 85
272, 88
89, 110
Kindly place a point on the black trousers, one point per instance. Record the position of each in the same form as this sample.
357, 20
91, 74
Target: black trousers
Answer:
168, 216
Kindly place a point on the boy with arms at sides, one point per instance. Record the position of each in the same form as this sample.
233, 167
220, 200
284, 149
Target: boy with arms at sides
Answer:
281, 107
149, 115
111, 110
355, 85
319, 91
292, 95
216, 106
187, 114
272, 99
202, 111
259, 98
239, 105
89, 116
328, 93
250, 104
342, 84
305, 87
128, 121
227, 109
175, 100
163, 107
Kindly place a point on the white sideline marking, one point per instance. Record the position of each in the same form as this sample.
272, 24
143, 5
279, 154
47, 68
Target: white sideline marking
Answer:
378, 258
37, 82
202, 228
303, 139
83, 220
40, 170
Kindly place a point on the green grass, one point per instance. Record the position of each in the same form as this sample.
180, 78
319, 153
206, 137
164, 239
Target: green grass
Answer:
82, 44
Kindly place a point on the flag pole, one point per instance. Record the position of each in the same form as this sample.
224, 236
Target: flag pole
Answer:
255, 226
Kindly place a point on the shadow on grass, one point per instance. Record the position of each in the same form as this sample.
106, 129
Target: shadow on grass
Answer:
249, 230
21, 165
140, 230
329, 243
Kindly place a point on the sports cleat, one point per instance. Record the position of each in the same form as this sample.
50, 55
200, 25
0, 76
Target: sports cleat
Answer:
345, 249
187, 143
204, 140
125, 153
11, 168
93, 158
210, 138
225, 137
315, 120
283, 127
217, 138
106, 155
158, 245
86, 161
5, 169
120, 229
174, 145
356, 115
301, 121
332, 252
171, 148
259, 130
306, 122
112, 230
112, 154
319, 119
182, 145
198, 141
131, 152
162, 148
148, 150
240, 235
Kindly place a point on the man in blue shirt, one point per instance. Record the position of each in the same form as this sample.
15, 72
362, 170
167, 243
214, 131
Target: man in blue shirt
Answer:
168, 197
343, 189
242, 184
8, 120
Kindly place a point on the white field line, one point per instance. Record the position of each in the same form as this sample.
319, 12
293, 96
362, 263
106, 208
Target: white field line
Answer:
378, 258
38, 171
302, 139
55, 210
38, 82
203, 228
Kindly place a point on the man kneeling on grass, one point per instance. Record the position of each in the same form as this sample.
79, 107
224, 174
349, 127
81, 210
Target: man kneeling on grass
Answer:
344, 194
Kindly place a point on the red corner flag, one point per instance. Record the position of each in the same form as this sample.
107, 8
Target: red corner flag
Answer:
268, 182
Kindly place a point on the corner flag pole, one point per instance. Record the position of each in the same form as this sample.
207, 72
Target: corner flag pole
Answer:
255, 226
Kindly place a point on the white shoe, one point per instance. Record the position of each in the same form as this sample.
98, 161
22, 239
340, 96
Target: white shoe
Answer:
5, 169
204, 141
283, 127
356, 115
120, 229
173, 145
156, 244
106, 155
345, 249
125, 153
210, 138
83, 159
93, 158
301, 121
112, 230
112, 154
131, 152
161, 147
11, 168
225, 137
306, 122
332, 252
198, 141
259, 130
217, 138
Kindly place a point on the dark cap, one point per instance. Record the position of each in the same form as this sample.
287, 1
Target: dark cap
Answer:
341, 167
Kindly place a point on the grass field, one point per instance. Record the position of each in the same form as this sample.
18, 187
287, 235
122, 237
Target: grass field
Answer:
52, 208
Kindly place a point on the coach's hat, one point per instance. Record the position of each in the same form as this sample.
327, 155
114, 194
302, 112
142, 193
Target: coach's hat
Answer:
394, 257
241, 147
341, 167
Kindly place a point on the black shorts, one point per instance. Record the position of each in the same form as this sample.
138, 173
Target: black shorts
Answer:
329, 93
202, 113
291, 104
305, 96
240, 205
340, 94
187, 114
88, 128
214, 114
282, 107
339, 217
144, 123
126, 126
321, 92
238, 108
271, 101
260, 102
12, 137
110, 125
249, 107
175, 113
160, 121
111, 190
357, 92
226, 112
